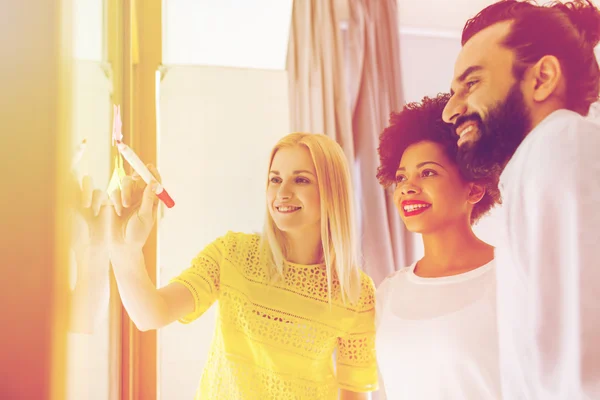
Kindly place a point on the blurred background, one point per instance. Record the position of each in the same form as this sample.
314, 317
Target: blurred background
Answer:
206, 88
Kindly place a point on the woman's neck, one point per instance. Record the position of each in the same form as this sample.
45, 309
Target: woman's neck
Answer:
453, 250
304, 247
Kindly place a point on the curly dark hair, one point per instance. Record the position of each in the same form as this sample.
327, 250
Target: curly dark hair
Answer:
422, 121
569, 31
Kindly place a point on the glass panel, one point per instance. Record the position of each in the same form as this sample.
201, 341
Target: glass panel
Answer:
88, 340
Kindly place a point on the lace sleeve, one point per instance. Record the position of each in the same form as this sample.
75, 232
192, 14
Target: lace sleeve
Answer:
202, 278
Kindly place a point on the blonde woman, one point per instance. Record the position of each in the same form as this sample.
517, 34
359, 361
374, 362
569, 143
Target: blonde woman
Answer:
289, 299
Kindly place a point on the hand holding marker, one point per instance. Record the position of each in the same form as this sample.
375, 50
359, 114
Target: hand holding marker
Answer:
135, 162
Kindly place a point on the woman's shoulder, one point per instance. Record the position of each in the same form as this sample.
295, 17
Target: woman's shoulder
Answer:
392, 279
242, 236
369, 291
236, 241
397, 274
238, 246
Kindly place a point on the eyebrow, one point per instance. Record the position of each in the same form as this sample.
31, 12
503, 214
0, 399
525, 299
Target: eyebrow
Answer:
297, 172
419, 165
466, 73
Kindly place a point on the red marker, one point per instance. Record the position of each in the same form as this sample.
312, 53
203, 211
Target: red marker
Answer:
139, 167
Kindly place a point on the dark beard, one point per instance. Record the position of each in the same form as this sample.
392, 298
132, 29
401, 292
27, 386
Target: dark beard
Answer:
502, 132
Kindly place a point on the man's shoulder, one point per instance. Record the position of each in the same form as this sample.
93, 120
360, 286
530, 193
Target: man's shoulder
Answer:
568, 127
563, 141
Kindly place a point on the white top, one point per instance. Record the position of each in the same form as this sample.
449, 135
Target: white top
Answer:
436, 337
548, 258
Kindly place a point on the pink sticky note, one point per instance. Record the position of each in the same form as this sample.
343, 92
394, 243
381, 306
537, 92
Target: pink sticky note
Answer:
117, 124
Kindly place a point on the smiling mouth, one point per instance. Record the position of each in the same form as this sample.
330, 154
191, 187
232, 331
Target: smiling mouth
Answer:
466, 132
415, 209
287, 209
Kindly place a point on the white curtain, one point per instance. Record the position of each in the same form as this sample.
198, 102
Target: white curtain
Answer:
346, 85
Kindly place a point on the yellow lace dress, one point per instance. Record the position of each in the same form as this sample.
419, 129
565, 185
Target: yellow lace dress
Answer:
277, 340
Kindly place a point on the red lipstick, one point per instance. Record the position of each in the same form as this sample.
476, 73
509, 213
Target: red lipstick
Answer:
411, 208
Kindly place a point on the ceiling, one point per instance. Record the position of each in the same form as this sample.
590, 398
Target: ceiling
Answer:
435, 16
448, 16
438, 15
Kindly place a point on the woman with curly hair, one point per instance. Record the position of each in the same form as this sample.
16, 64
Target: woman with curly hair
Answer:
436, 329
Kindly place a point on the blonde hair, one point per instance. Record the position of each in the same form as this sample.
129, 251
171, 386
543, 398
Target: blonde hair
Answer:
338, 228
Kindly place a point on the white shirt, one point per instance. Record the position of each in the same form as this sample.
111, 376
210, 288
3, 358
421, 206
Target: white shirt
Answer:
548, 263
436, 337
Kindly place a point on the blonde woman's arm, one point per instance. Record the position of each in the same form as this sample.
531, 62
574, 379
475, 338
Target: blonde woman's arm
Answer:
148, 307
135, 209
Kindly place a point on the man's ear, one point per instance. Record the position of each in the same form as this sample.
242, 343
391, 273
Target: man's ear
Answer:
547, 75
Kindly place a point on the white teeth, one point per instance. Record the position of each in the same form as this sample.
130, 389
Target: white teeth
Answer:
287, 208
413, 207
467, 130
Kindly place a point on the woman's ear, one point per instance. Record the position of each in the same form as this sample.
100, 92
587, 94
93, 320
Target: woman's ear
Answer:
476, 193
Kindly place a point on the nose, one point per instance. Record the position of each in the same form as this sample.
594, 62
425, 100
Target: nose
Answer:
284, 193
454, 109
409, 188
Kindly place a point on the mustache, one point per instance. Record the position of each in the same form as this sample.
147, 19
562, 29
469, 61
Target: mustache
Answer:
468, 118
